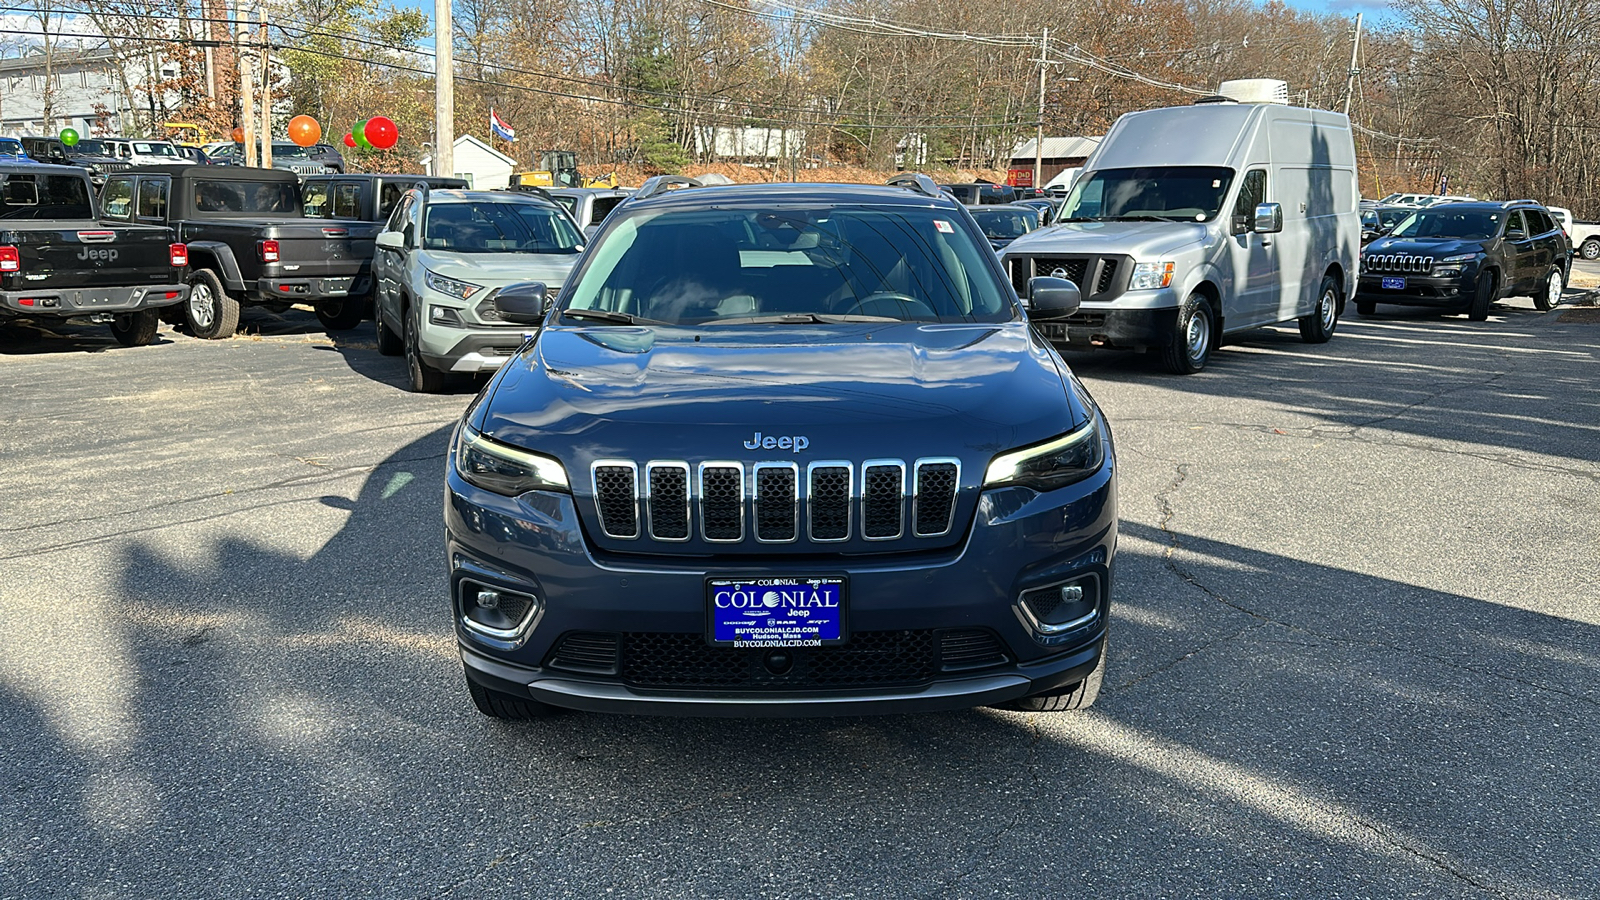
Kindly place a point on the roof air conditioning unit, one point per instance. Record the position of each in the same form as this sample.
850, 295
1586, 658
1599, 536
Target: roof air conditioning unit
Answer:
1256, 90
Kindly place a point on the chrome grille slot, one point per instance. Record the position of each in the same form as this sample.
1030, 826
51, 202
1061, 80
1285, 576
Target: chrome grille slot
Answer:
616, 497
722, 501
777, 502
1108, 276
667, 499
933, 503
883, 492
828, 501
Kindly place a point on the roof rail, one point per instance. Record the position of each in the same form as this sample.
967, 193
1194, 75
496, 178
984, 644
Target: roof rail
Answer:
661, 184
916, 181
532, 189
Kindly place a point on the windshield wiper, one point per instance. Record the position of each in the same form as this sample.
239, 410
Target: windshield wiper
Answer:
606, 315
1147, 217
799, 319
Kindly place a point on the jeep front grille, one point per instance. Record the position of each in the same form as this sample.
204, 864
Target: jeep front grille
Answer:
828, 501
1404, 263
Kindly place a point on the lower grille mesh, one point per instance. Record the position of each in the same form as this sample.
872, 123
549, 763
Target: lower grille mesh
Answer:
870, 658
586, 651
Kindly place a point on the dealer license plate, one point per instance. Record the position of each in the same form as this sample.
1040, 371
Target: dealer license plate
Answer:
1394, 284
776, 612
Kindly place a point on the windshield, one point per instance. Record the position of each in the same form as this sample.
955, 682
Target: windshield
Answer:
152, 149
1460, 224
261, 197
11, 147
570, 204
484, 227
740, 265
1001, 224
291, 151
87, 147
1190, 193
44, 197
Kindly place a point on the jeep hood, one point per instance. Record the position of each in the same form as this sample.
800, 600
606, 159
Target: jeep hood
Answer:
1436, 248
1137, 239
501, 269
854, 392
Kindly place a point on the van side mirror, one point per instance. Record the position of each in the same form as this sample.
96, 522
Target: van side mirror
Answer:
1052, 298
523, 303
1269, 218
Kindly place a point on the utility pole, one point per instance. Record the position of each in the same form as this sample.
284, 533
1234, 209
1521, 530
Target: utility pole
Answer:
1350, 84
266, 91
247, 102
444, 91
1038, 139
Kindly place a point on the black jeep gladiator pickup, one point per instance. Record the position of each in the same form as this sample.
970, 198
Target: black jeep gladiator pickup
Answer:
250, 243
362, 197
57, 261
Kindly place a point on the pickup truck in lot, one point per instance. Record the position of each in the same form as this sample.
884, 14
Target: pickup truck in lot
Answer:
363, 198
57, 261
250, 243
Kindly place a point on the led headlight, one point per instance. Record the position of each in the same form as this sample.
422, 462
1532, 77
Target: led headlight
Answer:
1148, 276
1452, 265
504, 469
1055, 463
451, 286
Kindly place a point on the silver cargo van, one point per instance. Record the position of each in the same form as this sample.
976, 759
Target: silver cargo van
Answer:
1193, 222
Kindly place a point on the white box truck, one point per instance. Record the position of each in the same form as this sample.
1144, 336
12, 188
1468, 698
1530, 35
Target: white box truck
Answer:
1188, 223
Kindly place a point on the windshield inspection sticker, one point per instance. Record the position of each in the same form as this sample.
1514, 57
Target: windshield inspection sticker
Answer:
944, 226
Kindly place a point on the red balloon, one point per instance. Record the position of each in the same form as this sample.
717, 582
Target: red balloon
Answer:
381, 132
349, 140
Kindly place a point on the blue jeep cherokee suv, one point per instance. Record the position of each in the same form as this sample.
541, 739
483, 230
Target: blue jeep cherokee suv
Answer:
782, 450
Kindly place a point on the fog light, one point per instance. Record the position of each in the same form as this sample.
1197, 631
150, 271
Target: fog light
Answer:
498, 613
1055, 612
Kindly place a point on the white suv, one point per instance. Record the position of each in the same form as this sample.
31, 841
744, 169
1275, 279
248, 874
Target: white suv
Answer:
440, 261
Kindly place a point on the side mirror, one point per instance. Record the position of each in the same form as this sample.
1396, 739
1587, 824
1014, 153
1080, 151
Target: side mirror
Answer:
523, 303
1269, 218
1052, 298
391, 240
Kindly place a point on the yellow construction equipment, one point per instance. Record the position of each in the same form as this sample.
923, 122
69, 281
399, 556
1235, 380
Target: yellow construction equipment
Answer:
187, 134
559, 168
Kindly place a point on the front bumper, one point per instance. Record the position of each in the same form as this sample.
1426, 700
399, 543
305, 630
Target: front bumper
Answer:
1020, 540
1129, 329
467, 349
1451, 292
86, 301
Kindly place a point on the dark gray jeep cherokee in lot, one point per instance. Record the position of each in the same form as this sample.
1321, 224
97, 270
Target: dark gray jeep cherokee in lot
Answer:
782, 450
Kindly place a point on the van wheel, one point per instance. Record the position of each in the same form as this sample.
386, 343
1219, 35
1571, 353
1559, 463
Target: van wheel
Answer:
135, 329
211, 313
1366, 307
1080, 696
498, 705
1590, 249
1548, 295
389, 343
341, 315
1488, 292
1193, 338
1318, 327
424, 378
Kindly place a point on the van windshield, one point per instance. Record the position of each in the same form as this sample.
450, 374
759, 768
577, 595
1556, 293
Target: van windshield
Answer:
1177, 193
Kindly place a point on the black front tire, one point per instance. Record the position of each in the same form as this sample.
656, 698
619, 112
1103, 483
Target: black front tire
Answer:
135, 329
389, 343
498, 705
424, 378
1488, 291
1366, 307
210, 312
1318, 327
343, 314
1193, 338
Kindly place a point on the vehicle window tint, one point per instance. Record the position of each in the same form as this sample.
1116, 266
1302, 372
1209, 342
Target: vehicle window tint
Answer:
347, 200
570, 204
44, 197
259, 197
603, 207
153, 199
314, 199
1252, 193
1515, 231
153, 149
116, 199
1538, 222
727, 266
388, 196
1474, 225
499, 228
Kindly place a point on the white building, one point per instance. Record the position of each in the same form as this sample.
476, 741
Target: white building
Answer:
750, 144
481, 165
84, 91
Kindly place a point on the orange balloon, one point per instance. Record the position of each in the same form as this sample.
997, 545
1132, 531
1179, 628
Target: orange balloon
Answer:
238, 135
304, 131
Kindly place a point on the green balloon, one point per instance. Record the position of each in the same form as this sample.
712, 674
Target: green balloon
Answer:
360, 134
69, 136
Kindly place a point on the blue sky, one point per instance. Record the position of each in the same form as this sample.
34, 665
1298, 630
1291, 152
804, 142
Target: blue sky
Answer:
1374, 9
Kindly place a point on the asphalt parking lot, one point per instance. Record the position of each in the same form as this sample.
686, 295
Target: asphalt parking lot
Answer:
1354, 651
